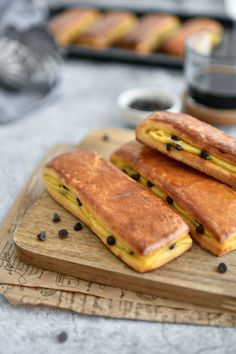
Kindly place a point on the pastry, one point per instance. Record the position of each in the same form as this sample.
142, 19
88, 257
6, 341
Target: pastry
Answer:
193, 142
174, 45
207, 205
68, 25
136, 226
109, 29
149, 33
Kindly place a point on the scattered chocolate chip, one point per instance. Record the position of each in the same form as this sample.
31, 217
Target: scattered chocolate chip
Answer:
78, 226
131, 253
169, 200
222, 268
204, 155
178, 147
62, 337
63, 233
172, 246
105, 137
111, 240
200, 229
79, 202
56, 218
168, 146
135, 176
41, 236
174, 137
124, 171
150, 184
65, 187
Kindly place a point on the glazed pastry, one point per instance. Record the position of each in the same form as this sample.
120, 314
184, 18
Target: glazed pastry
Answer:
149, 33
198, 198
109, 29
136, 226
68, 25
174, 45
193, 142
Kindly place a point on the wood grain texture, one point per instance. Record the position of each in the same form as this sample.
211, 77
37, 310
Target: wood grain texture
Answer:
191, 278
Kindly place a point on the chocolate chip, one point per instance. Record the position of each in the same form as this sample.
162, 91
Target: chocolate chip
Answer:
200, 229
111, 240
168, 146
105, 137
62, 337
150, 184
124, 171
135, 176
222, 151
178, 147
79, 202
78, 226
63, 233
65, 187
56, 218
41, 236
172, 246
174, 137
131, 253
169, 200
222, 268
204, 155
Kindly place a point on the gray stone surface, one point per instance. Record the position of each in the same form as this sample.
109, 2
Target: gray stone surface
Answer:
84, 100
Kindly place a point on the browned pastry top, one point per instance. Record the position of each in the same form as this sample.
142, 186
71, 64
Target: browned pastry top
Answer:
118, 202
212, 203
176, 42
145, 28
107, 22
61, 22
192, 130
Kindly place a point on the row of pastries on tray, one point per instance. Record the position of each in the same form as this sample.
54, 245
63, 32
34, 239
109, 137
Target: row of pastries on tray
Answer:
150, 33
175, 183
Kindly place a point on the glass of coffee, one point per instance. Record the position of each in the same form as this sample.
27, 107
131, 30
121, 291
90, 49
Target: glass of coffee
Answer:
210, 74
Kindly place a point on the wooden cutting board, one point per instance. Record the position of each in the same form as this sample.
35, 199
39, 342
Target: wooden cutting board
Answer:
193, 277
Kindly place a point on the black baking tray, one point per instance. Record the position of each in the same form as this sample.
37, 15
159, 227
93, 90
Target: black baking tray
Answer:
126, 56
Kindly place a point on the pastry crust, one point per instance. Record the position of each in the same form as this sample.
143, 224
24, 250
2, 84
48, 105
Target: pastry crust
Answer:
221, 162
199, 196
110, 203
109, 29
175, 44
149, 33
69, 24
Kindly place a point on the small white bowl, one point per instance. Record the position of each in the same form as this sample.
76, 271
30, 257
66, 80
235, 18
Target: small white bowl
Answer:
134, 116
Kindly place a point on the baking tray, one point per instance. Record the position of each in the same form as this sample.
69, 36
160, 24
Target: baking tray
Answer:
126, 56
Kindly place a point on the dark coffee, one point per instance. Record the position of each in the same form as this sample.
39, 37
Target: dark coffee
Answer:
214, 86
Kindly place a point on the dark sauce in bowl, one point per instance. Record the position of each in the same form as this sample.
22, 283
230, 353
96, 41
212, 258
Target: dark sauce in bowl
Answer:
150, 104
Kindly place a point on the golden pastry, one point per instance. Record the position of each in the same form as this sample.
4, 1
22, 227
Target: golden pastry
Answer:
193, 142
174, 45
109, 29
136, 226
69, 24
149, 33
207, 205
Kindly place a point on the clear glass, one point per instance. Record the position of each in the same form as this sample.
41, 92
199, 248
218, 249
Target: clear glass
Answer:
210, 72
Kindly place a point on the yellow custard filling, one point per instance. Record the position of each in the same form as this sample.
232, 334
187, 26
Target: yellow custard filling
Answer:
206, 239
166, 138
68, 199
